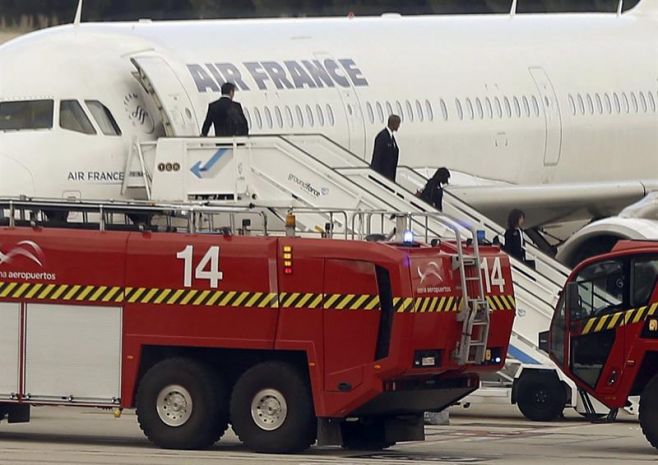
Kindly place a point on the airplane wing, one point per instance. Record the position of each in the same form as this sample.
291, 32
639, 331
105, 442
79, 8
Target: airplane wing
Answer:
544, 204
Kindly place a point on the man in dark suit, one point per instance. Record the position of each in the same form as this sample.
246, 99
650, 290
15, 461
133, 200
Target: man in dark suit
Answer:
386, 152
226, 115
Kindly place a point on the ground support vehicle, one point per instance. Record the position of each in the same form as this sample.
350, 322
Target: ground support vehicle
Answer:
198, 325
604, 334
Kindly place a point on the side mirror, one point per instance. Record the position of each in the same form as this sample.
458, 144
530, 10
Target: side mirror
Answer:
572, 297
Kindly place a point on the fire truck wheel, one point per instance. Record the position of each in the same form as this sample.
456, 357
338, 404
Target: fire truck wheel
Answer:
182, 404
272, 409
541, 396
368, 436
648, 409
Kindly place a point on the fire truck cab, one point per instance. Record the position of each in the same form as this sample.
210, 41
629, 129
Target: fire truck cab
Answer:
604, 333
288, 339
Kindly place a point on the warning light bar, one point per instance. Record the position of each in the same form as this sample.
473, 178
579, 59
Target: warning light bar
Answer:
287, 259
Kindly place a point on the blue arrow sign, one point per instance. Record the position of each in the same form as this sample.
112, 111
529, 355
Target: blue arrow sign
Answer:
198, 169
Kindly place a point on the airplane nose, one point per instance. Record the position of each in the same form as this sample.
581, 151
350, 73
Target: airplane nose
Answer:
15, 178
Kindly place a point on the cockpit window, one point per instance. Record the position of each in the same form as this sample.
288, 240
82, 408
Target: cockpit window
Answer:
26, 114
73, 118
103, 118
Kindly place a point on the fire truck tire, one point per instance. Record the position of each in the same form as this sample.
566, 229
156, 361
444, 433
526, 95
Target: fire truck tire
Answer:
272, 409
364, 436
649, 411
541, 396
182, 404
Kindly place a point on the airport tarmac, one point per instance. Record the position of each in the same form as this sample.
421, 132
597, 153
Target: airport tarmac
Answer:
480, 435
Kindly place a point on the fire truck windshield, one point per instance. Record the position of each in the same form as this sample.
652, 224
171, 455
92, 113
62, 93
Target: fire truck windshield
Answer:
600, 289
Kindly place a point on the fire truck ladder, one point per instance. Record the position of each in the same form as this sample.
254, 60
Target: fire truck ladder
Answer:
474, 312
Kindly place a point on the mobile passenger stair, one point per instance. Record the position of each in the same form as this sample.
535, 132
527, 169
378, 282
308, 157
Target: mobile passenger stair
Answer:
313, 172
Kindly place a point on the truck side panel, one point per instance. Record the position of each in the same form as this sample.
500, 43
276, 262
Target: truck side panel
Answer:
175, 298
68, 329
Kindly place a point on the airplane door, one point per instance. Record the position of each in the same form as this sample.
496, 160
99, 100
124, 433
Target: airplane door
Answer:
355, 121
161, 82
552, 117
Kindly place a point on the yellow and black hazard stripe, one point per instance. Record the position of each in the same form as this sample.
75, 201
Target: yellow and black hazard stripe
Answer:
205, 298
66, 292
245, 299
617, 319
436, 304
501, 302
351, 301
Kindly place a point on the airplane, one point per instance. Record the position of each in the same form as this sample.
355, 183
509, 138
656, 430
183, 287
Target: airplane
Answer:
554, 113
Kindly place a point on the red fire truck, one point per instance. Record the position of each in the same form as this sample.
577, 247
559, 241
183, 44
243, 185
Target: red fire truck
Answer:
291, 340
604, 334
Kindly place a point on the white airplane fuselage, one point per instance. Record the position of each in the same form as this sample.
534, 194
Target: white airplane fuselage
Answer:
529, 99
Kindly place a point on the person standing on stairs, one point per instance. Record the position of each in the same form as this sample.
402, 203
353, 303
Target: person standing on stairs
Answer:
386, 152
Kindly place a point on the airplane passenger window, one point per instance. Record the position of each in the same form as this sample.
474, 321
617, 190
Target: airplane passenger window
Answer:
248, 116
517, 107
599, 104
608, 103
430, 111
26, 114
652, 102
499, 108
617, 104
309, 115
643, 101
526, 107
73, 118
419, 110
535, 105
371, 113
624, 103
508, 107
572, 105
380, 112
103, 118
489, 108
581, 104
289, 119
460, 110
268, 118
300, 116
444, 110
469, 108
634, 102
478, 106
398, 105
318, 110
590, 104
259, 119
279, 117
389, 108
330, 115
410, 111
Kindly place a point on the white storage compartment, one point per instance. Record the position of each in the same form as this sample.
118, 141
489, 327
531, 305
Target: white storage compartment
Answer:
10, 324
73, 353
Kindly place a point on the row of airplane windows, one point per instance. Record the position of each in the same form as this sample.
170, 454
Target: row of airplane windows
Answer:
318, 116
464, 109
612, 103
